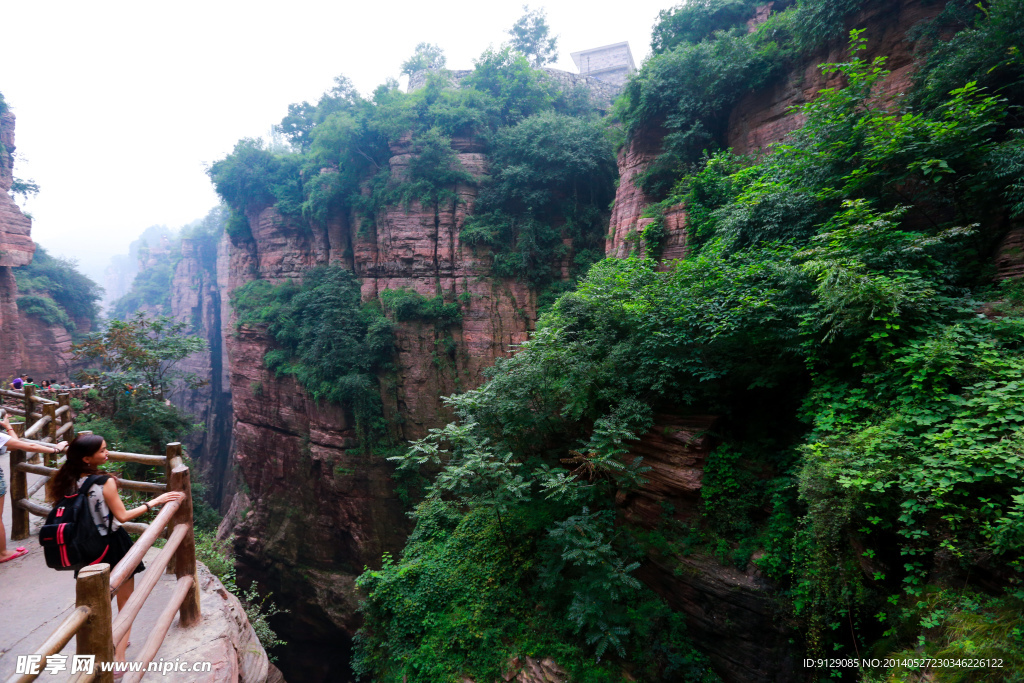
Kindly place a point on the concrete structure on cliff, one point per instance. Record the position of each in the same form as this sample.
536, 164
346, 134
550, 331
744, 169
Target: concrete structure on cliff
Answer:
609, 64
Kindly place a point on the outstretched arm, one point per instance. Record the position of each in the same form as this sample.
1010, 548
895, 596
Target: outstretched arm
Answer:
122, 514
16, 444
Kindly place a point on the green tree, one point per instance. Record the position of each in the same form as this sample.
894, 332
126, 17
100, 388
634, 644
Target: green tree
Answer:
134, 364
144, 352
530, 37
427, 57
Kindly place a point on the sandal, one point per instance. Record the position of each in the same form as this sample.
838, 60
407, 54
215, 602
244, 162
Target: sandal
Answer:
18, 552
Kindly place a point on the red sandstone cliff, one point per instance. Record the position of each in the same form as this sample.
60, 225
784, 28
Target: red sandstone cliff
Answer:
16, 249
45, 349
320, 509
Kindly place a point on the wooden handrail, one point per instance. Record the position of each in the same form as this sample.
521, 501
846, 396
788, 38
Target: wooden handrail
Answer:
126, 615
31, 396
64, 429
57, 640
19, 491
37, 509
135, 527
185, 558
131, 485
62, 410
184, 587
126, 567
155, 460
20, 412
37, 426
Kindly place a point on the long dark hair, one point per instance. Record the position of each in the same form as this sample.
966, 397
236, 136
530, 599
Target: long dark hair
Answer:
65, 480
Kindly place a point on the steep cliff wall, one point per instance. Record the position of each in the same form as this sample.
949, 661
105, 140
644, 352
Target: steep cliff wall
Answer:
320, 509
46, 349
196, 299
16, 249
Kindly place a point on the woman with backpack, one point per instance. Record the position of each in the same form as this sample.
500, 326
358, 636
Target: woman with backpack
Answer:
85, 454
9, 439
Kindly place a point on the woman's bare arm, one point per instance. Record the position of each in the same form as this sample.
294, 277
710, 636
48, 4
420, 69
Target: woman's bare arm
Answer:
121, 514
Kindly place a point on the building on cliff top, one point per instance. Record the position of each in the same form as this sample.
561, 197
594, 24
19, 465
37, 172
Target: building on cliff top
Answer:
608, 64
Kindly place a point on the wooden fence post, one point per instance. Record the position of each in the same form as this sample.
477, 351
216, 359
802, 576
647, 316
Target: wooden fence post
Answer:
19, 491
95, 637
50, 410
64, 399
173, 451
29, 403
185, 555
30, 407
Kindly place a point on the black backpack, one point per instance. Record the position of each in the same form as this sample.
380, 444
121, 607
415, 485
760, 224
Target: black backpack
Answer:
70, 537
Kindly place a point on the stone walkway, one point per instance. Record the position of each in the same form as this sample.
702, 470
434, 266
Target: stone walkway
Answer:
34, 599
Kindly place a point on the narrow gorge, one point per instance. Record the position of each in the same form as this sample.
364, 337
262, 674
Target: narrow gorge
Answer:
702, 374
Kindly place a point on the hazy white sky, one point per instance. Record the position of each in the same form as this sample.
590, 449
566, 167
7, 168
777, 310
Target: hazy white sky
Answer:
122, 105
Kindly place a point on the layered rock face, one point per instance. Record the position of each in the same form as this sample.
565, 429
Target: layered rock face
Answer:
16, 249
321, 509
46, 349
196, 299
765, 117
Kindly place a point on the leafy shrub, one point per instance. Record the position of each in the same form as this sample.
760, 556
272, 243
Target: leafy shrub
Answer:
253, 176
332, 343
693, 21
703, 65
405, 305
46, 309
150, 291
58, 279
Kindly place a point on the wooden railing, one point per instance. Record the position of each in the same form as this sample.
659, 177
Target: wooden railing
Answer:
91, 623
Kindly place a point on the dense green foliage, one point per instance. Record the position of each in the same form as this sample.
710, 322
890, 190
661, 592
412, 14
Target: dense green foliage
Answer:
405, 305
705, 61
553, 178
151, 290
534, 133
55, 291
871, 429
332, 343
427, 57
694, 21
